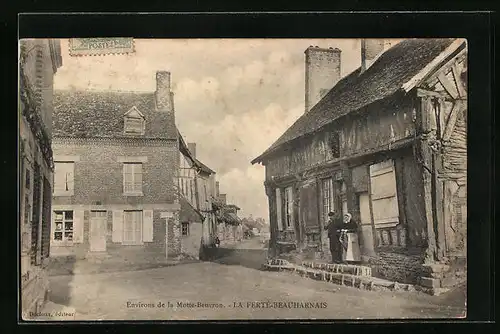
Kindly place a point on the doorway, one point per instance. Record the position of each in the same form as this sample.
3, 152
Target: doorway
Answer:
98, 222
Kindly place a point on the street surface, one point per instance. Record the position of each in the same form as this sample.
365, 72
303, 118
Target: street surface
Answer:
234, 287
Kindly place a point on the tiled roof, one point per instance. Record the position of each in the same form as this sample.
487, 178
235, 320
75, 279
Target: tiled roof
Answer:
355, 91
100, 114
188, 213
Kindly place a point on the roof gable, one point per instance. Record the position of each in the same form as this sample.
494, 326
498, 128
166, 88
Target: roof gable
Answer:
381, 80
134, 113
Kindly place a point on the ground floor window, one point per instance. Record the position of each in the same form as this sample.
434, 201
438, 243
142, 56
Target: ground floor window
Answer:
384, 194
185, 229
132, 227
63, 225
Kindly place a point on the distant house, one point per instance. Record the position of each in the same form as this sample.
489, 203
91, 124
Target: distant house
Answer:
388, 144
116, 158
197, 189
229, 227
39, 61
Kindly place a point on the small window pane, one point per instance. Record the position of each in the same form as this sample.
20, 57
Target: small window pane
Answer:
58, 235
68, 227
69, 215
59, 215
68, 236
59, 226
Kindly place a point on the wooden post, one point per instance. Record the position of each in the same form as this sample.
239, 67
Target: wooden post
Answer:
427, 167
439, 210
370, 204
273, 224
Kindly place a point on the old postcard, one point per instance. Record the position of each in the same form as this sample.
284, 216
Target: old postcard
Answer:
222, 179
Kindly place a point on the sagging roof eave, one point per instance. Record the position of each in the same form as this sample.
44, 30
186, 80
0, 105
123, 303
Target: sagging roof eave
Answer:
457, 46
263, 156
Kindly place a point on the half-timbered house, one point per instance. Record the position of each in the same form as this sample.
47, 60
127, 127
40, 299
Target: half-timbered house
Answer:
386, 143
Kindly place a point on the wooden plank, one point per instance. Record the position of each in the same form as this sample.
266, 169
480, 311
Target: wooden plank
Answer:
458, 81
428, 93
452, 120
448, 85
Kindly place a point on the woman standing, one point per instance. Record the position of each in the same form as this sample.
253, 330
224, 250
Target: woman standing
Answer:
349, 240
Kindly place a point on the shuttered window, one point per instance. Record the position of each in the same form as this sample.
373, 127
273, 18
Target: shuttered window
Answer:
132, 178
384, 194
134, 125
64, 178
132, 227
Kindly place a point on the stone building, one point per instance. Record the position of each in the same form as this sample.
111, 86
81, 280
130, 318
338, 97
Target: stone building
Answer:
39, 61
386, 143
116, 159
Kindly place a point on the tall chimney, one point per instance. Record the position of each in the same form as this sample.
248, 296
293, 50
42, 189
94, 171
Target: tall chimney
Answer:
371, 49
163, 94
217, 189
192, 149
322, 73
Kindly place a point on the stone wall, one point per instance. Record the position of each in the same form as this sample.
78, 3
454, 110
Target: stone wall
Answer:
403, 267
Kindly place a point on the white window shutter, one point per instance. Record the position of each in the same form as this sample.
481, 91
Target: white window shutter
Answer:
147, 227
279, 208
117, 225
127, 177
78, 226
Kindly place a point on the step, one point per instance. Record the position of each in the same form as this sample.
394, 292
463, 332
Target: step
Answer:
352, 269
345, 279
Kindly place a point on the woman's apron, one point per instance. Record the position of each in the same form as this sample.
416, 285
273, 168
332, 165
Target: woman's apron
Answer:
352, 253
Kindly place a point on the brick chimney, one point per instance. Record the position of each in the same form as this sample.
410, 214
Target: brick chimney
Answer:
217, 189
192, 149
371, 49
163, 94
322, 73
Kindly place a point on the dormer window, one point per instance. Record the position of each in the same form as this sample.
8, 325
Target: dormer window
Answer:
134, 122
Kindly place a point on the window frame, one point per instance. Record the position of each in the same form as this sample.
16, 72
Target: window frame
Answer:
187, 228
63, 231
133, 191
137, 227
70, 184
328, 203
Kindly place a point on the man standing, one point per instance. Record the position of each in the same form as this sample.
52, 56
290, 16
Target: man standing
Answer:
334, 226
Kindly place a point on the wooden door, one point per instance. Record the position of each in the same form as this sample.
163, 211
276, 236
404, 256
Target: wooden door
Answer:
98, 220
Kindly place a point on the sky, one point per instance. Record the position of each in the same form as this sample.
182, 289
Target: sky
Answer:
232, 97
